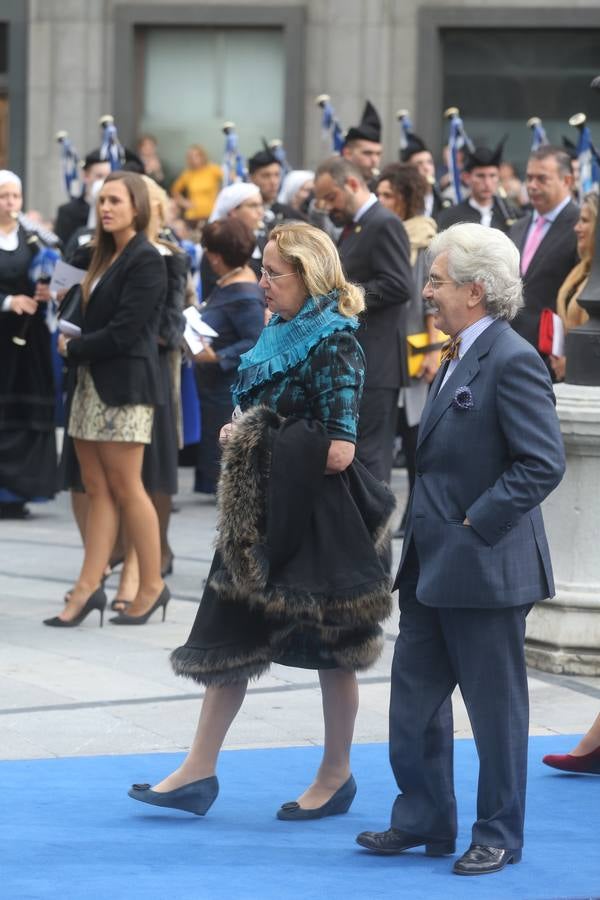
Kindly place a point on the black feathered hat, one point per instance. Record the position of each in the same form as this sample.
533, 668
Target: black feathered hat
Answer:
369, 128
569, 147
415, 145
483, 156
261, 159
133, 163
92, 158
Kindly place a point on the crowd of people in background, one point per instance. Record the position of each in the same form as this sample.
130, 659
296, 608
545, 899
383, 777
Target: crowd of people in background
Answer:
211, 239
289, 322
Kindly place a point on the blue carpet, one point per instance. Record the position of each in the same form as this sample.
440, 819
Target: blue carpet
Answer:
69, 831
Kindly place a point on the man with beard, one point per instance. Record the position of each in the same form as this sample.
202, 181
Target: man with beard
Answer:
375, 253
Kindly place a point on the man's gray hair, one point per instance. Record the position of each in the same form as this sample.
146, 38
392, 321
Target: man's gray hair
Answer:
487, 256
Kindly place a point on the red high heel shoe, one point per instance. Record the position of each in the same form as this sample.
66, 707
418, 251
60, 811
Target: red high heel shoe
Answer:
588, 764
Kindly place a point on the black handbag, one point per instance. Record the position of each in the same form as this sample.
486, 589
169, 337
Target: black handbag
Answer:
71, 306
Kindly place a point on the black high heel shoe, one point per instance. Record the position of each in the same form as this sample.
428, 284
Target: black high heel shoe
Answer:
168, 566
337, 805
196, 797
97, 600
119, 605
161, 600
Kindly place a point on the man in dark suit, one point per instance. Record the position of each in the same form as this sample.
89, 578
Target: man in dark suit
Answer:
374, 251
474, 560
483, 205
545, 238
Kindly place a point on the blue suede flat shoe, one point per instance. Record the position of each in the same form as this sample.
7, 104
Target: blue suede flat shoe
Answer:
337, 805
196, 797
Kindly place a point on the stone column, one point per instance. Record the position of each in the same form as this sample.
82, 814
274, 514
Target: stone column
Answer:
563, 634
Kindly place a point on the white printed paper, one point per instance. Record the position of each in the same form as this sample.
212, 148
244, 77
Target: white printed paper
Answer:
65, 276
68, 328
194, 321
558, 336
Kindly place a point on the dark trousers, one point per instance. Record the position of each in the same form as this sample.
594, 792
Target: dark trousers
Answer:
481, 650
409, 435
376, 431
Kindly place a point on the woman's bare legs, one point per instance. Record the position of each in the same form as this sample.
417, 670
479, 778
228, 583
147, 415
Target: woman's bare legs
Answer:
101, 525
163, 504
219, 708
590, 741
339, 690
122, 463
79, 506
129, 580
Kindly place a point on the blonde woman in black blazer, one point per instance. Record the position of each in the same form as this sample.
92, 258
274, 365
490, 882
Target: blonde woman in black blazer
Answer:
118, 386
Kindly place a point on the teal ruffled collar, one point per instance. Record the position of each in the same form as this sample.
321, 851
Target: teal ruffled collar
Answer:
284, 344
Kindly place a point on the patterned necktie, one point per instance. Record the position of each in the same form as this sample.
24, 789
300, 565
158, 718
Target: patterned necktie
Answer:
450, 349
533, 242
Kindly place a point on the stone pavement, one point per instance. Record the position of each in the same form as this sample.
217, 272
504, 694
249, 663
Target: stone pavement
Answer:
90, 691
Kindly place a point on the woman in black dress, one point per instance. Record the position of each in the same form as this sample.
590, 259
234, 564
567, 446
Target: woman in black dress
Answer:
27, 400
297, 577
235, 310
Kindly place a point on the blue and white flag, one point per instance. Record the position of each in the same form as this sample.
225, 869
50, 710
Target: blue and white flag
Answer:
43, 263
233, 164
406, 129
111, 149
538, 134
329, 123
71, 166
589, 174
278, 150
457, 140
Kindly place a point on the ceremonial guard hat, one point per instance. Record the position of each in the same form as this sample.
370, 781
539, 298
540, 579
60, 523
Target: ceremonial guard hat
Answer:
369, 127
483, 156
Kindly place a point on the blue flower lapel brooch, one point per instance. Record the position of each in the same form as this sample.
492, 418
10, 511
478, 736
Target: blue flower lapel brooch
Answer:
463, 398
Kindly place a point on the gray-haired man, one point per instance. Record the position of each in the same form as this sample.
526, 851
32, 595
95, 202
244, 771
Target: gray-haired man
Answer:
475, 559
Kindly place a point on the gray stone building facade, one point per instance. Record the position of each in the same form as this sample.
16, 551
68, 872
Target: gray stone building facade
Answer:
180, 68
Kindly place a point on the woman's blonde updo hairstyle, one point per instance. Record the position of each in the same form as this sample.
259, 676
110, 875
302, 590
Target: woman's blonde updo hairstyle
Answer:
314, 256
159, 207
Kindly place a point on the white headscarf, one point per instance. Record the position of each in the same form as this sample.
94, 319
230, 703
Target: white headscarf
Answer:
292, 183
231, 197
8, 177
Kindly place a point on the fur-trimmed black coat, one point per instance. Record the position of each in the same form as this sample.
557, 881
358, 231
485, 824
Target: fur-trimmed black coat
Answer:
297, 577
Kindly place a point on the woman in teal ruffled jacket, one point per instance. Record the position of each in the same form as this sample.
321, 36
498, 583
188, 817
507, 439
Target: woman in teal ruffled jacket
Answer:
297, 577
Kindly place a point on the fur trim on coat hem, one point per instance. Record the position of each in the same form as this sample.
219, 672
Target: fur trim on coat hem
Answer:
218, 667
356, 608
360, 655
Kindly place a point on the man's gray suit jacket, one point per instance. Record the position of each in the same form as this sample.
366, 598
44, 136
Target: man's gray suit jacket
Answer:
494, 462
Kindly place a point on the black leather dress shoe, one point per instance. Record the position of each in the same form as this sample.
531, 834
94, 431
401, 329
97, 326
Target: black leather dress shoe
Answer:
392, 841
481, 860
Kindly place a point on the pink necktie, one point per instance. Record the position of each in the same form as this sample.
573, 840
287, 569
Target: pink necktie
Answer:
533, 242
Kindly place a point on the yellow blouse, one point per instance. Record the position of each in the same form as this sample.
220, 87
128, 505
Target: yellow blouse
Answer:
200, 187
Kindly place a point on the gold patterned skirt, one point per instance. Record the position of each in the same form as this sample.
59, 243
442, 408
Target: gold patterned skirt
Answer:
93, 420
